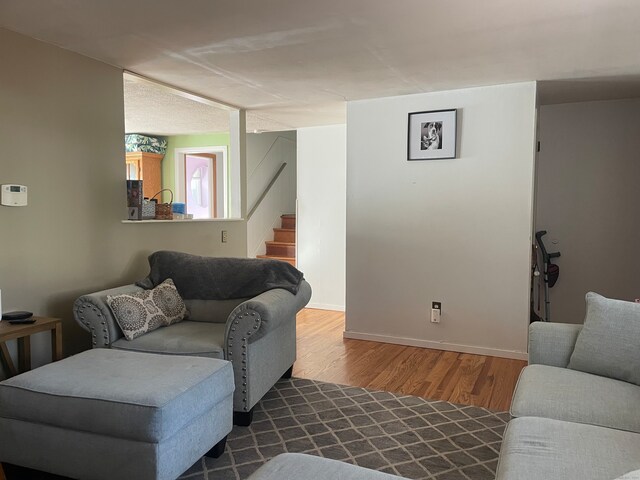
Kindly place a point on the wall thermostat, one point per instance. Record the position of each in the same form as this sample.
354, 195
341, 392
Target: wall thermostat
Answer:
14, 195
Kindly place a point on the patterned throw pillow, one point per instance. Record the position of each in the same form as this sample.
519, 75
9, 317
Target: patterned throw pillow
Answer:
142, 312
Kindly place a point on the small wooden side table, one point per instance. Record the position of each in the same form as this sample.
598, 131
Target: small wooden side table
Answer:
22, 333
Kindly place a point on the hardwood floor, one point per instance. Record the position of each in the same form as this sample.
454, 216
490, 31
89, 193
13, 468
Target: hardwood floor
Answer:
434, 374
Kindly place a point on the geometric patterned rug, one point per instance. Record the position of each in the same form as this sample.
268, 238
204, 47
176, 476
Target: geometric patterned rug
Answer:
398, 434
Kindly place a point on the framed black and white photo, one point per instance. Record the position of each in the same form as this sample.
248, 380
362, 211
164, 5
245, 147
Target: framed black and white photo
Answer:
432, 135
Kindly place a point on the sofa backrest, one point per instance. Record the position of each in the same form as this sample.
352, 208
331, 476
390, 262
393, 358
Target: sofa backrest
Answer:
214, 311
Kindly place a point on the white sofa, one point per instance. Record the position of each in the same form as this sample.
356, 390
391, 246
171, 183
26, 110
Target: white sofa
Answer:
569, 424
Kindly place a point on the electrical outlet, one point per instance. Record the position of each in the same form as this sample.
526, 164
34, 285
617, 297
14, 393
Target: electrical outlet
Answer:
436, 312
224, 236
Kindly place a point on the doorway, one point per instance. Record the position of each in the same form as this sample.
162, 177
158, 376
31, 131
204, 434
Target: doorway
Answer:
200, 181
200, 185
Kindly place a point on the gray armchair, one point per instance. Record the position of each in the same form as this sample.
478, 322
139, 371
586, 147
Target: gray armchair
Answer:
258, 335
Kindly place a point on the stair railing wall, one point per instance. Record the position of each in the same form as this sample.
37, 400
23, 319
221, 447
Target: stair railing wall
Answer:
266, 190
271, 186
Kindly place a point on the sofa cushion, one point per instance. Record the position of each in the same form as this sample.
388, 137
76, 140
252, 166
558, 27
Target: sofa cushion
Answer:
635, 475
573, 396
608, 343
119, 394
535, 448
199, 339
142, 312
296, 466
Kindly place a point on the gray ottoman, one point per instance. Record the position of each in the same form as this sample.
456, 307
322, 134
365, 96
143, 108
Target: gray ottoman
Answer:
106, 414
298, 466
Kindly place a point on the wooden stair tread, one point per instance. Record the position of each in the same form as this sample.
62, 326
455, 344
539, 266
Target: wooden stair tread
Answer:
289, 260
288, 244
284, 229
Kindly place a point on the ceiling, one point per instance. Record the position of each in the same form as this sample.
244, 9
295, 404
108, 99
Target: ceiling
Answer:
294, 63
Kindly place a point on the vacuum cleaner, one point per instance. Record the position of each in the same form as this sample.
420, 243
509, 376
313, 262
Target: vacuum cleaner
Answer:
551, 272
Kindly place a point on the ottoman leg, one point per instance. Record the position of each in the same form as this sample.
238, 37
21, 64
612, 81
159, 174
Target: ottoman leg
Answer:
218, 449
243, 419
288, 373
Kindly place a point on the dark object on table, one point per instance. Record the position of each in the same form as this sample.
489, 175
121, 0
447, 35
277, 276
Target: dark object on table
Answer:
19, 315
22, 321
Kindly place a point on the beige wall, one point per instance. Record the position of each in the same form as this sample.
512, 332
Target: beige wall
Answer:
588, 193
61, 134
456, 231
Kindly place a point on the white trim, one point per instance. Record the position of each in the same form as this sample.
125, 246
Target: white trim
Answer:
184, 220
326, 306
238, 175
221, 175
412, 342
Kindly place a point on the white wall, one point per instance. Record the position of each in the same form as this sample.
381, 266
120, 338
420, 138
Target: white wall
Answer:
588, 193
456, 231
62, 135
321, 213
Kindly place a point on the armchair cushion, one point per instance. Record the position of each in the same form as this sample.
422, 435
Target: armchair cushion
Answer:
608, 343
142, 312
197, 339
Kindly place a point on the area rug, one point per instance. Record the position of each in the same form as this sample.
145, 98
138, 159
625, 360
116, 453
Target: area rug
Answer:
402, 435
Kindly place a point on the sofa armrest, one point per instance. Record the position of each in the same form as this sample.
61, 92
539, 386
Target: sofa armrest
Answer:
259, 315
94, 315
552, 343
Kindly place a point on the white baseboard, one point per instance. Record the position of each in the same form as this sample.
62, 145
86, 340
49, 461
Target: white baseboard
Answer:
492, 352
326, 306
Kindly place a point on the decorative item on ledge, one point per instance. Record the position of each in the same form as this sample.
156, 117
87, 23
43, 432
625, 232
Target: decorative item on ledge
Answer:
139, 142
134, 199
148, 209
164, 210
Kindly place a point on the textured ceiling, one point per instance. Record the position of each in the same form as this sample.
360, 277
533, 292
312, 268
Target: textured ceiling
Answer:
149, 109
293, 63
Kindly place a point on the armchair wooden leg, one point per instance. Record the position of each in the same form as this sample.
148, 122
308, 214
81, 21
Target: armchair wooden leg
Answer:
288, 373
243, 419
218, 449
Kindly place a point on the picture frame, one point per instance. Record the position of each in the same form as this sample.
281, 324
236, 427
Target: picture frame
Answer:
432, 135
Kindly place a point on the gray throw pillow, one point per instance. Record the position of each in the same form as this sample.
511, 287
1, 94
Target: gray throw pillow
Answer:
142, 312
609, 342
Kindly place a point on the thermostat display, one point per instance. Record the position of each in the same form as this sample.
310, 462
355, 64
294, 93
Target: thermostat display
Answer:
14, 195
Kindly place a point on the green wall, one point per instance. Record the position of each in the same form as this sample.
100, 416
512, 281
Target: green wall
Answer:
186, 141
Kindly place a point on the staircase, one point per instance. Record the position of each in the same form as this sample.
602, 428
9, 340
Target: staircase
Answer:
283, 246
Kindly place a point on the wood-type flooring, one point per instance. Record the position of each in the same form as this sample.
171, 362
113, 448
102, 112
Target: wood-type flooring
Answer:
323, 354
